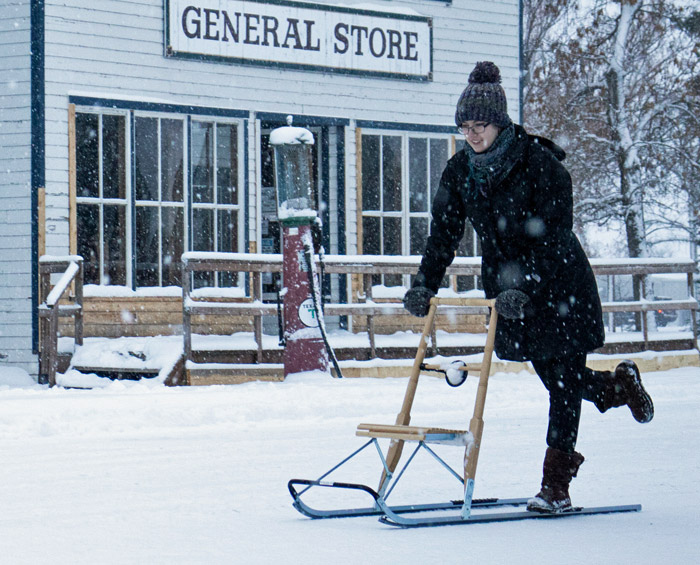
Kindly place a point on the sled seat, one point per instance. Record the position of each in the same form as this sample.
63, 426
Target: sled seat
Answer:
415, 433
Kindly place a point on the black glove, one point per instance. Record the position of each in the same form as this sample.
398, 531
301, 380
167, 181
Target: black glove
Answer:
511, 304
417, 300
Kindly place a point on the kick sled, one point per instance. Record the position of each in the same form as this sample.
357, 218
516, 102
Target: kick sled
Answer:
466, 511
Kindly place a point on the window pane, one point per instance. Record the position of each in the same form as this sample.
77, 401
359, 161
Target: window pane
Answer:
115, 244
173, 229
392, 246
88, 219
466, 249
267, 169
371, 236
466, 246
438, 160
146, 158
86, 155
418, 235
370, 172
228, 242
202, 162
391, 173
392, 236
228, 231
465, 283
203, 240
202, 230
315, 179
203, 279
147, 246
172, 160
113, 157
227, 163
417, 174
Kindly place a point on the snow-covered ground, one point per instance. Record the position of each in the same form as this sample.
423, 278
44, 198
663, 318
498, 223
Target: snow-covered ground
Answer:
139, 473
160, 353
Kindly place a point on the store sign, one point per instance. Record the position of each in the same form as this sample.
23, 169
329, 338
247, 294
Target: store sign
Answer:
301, 35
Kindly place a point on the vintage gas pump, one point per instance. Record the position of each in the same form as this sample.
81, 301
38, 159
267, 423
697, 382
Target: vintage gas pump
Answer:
306, 345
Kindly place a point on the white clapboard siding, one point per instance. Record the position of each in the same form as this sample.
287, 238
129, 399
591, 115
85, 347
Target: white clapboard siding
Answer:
15, 293
93, 49
15, 194
114, 49
15, 229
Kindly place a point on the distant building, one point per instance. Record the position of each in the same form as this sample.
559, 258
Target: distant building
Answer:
139, 129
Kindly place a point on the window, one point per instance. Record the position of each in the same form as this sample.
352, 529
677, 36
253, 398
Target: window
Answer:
101, 196
138, 207
400, 174
215, 194
159, 200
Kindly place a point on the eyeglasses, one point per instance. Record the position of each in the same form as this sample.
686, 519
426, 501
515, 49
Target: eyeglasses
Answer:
476, 128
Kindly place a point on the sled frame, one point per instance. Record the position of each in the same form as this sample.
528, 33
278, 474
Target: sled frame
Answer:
460, 511
297, 487
401, 431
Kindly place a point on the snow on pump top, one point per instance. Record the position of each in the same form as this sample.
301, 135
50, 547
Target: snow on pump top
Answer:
290, 135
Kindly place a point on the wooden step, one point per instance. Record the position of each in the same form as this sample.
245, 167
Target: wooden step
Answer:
225, 374
119, 373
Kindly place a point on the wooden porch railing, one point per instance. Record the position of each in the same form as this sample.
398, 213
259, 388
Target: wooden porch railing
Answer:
366, 266
50, 309
639, 269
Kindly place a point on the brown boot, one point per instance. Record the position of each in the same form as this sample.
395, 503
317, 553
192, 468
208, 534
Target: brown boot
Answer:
558, 470
627, 376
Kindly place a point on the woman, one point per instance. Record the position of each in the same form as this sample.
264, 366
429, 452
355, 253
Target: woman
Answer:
518, 197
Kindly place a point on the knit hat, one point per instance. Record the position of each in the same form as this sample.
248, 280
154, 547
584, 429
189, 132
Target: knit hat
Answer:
483, 100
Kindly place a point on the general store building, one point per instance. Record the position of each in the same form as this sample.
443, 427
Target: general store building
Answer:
132, 131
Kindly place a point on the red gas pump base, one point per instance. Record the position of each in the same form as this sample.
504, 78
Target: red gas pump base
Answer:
302, 355
304, 347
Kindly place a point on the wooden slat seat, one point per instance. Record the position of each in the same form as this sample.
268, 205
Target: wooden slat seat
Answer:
414, 433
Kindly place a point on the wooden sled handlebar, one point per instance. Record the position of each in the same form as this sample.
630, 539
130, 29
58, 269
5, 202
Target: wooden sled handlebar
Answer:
476, 424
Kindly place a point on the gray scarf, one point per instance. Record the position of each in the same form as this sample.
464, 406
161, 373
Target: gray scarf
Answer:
487, 169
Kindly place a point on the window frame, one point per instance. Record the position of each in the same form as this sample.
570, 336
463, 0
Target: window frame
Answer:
160, 204
405, 214
132, 204
239, 208
100, 201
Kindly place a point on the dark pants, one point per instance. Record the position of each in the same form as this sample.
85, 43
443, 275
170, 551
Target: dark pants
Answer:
568, 381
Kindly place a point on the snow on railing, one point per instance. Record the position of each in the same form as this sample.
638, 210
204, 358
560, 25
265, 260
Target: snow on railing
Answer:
60, 259
600, 266
70, 267
63, 284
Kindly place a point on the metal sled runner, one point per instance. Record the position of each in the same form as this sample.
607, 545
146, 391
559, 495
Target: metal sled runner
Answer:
465, 511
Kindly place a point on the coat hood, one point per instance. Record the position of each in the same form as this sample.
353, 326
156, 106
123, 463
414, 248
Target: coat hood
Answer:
557, 151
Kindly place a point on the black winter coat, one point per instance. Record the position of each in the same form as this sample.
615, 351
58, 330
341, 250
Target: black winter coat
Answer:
524, 223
